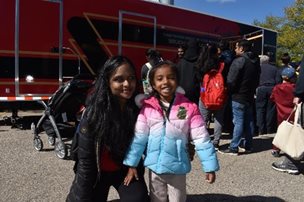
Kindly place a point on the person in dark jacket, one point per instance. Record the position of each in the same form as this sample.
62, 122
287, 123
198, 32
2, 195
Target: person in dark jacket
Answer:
299, 91
242, 80
225, 55
288, 164
104, 135
265, 108
180, 53
188, 73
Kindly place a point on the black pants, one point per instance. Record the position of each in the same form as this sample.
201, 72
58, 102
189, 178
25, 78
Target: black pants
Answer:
265, 110
135, 192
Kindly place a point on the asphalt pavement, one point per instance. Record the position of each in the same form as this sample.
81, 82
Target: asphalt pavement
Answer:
32, 176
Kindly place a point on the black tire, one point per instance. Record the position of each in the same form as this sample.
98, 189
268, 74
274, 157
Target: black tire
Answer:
38, 144
60, 150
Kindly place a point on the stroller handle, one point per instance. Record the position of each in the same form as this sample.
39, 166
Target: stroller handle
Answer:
42, 103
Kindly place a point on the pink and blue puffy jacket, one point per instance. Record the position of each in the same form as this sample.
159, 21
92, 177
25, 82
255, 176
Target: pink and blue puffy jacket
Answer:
165, 141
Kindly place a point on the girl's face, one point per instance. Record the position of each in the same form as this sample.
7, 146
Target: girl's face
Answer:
123, 82
165, 82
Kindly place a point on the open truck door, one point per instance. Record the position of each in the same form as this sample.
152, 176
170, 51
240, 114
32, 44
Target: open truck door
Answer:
264, 42
257, 39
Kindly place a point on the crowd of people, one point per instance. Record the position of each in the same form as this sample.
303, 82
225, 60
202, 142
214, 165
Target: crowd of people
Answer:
122, 132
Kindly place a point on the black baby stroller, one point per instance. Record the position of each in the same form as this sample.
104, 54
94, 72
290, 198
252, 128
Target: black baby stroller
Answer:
60, 117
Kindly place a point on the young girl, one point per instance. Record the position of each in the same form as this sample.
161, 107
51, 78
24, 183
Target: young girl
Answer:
167, 121
104, 135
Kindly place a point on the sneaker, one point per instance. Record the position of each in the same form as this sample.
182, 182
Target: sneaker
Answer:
280, 166
275, 153
229, 152
241, 149
216, 146
244, 151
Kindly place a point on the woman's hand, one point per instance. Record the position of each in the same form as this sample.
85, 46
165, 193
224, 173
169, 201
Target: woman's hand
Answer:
132, 172
210, 177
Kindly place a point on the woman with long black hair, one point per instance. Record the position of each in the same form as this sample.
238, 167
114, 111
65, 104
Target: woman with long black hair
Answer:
104, 135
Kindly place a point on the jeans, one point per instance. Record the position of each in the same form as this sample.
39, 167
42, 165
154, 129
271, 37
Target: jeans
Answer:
243, 125
218, 119
265, 110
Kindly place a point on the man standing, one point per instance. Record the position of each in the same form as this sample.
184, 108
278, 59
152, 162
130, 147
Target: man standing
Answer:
180, 53
265, 108
242, 80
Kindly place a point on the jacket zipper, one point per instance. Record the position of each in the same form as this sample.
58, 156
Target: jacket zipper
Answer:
162, 138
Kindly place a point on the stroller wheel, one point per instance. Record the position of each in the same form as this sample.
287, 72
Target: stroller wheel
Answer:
51, 140
60, 150
38, 144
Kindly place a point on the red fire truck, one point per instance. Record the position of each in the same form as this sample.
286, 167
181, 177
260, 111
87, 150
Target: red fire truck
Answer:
43, 43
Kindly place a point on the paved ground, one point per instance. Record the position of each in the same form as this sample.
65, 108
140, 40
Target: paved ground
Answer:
28, 175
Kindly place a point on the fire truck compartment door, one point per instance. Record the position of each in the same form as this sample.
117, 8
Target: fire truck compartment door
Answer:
38, 70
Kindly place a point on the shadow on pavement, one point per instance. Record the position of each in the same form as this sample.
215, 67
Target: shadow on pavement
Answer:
3, 130
260, 145
225, 197
23, 123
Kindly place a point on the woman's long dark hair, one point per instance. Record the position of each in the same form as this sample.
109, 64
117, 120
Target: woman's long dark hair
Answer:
208, 59
113, 127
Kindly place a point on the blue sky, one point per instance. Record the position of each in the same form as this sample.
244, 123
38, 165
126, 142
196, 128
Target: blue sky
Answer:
245, 11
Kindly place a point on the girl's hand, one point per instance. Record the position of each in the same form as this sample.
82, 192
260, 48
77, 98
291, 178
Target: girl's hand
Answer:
210, 177
132, 172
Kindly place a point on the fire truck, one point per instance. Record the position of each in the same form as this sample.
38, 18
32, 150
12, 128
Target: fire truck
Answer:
44, 43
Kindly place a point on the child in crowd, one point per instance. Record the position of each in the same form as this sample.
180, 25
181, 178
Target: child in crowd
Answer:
282, 96
167, 121
152, 56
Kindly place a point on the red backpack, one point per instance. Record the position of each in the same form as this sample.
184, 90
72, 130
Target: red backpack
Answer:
213, 90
